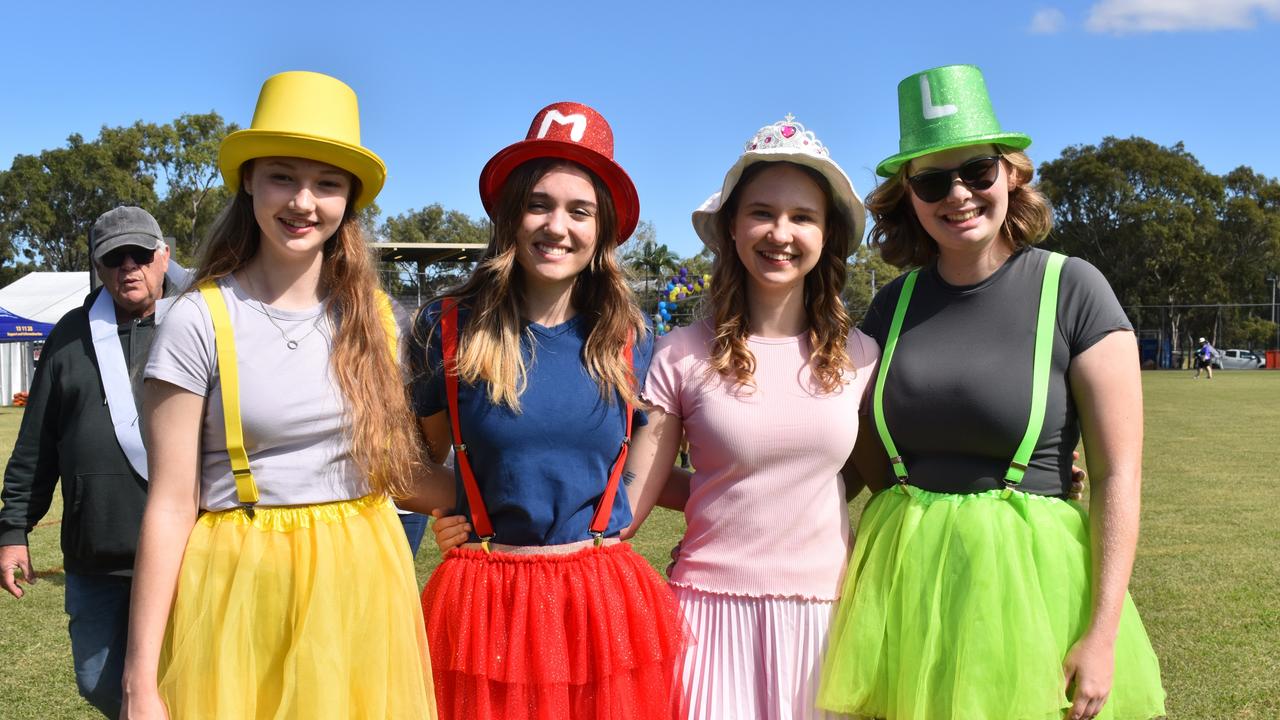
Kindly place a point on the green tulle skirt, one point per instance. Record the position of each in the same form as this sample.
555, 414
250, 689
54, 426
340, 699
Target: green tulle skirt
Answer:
964, 606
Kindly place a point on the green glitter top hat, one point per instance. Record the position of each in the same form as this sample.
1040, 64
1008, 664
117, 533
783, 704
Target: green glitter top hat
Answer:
945, 108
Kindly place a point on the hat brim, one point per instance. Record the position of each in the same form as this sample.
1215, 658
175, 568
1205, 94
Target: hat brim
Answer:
244, 145
704, 218
133, 239
891, 165
626, 200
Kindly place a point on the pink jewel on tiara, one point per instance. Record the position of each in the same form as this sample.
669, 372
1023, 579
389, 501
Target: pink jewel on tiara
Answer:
786, 134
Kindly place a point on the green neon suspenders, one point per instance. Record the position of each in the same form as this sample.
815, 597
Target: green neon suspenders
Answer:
229, 378
891, 344
1046, 322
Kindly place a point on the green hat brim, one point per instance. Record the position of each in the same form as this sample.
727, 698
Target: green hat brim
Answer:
891, 165
245, 145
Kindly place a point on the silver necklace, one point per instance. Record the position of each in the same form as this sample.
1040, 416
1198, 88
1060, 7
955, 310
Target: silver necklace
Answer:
291, 343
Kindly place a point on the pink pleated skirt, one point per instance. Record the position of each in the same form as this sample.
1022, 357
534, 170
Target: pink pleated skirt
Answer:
753, 658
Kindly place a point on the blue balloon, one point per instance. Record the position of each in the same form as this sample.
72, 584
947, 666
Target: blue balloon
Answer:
672, 307
662, 304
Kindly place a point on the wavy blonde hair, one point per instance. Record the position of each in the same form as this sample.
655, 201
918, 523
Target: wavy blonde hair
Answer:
829, 322
489, 346
902, 240
384, 439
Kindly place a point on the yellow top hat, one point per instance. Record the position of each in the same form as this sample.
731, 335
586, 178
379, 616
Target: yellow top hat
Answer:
307, 115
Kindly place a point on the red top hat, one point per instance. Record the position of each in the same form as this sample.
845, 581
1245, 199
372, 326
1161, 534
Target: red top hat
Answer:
570, 131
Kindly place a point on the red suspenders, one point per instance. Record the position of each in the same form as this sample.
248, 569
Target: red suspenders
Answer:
479, 514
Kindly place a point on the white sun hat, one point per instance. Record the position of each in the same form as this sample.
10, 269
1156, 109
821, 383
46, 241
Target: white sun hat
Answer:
783, 141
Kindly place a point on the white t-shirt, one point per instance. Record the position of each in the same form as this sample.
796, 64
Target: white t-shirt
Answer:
293, 412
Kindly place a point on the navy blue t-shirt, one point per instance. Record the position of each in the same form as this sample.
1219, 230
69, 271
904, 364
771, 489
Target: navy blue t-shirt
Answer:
541, 471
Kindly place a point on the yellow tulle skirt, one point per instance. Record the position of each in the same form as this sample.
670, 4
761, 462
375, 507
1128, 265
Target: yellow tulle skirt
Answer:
300, 612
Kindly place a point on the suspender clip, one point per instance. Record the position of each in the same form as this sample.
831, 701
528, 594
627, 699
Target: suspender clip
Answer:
248, 510
1009, 487
484, 544
459, 447
599, 538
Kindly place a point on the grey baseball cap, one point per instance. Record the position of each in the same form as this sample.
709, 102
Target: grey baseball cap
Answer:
124, 226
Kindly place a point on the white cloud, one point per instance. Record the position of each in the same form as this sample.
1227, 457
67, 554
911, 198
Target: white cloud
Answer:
1047, 21
1139, 16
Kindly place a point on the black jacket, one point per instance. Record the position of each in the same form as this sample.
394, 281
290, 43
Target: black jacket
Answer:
67, 432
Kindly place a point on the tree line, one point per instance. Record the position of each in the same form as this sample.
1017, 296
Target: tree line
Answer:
1163, 229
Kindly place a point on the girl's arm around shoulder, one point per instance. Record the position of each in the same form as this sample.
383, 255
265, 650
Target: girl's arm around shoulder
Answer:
172, 423
650, 463
650, 473
434, 489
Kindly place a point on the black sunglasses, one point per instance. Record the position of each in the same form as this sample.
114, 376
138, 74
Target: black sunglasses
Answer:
115, 258
933, 185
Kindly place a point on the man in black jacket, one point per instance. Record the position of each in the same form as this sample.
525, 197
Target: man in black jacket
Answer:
81, 425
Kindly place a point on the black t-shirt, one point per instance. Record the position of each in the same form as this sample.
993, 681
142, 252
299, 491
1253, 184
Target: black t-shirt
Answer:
958, 393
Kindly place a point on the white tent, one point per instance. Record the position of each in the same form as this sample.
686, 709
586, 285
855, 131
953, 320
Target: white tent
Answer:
43, 297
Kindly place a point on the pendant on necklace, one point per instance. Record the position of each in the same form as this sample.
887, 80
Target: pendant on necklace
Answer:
292, 344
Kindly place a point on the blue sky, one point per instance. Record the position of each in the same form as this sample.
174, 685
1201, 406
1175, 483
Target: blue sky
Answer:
443, 86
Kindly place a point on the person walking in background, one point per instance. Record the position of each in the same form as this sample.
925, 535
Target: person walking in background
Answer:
81, 425
975, 589
1205, 355
273, 579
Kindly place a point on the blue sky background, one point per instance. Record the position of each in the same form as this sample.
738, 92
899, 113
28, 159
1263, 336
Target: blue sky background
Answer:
443, 86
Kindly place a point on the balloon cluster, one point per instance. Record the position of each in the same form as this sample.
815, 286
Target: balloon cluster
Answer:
678, 288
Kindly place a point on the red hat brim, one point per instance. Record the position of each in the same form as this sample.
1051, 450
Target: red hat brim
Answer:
625, 199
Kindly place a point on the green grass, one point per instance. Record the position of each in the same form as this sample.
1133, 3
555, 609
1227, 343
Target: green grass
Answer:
1207, 579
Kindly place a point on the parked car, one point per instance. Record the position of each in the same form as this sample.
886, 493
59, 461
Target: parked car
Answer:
1234, 359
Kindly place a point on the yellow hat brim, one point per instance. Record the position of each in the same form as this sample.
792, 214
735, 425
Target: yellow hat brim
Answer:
244, 145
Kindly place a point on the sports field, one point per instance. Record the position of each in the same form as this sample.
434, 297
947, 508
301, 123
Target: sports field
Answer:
1207, 580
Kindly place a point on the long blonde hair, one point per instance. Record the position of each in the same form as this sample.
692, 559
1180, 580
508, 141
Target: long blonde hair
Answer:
829, 322
384, 439
489, 345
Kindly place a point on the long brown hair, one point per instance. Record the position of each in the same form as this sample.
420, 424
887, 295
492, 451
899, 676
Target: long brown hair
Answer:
903, 242
489, 349
384, 437
829, 323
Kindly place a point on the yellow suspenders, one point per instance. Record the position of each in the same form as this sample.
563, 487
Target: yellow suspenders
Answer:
228, 371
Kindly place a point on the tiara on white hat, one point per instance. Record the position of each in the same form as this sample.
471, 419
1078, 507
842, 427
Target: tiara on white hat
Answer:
786, 135
783, 141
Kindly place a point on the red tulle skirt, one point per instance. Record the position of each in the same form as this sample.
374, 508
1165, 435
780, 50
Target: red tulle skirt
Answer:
593, 634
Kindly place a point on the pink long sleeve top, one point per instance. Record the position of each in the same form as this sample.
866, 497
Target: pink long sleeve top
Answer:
766, 515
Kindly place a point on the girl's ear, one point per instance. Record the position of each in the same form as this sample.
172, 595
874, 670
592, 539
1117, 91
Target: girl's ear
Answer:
1011, 173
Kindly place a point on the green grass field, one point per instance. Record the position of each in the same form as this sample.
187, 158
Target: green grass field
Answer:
1207, 580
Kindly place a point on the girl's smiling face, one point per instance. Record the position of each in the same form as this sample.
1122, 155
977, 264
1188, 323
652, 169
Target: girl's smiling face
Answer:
298, 203
965, 217
779, 226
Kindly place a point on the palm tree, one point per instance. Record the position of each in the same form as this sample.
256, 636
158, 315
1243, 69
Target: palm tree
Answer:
648, 258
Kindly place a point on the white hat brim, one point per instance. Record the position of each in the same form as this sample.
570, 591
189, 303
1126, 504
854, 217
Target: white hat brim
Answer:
704, 218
